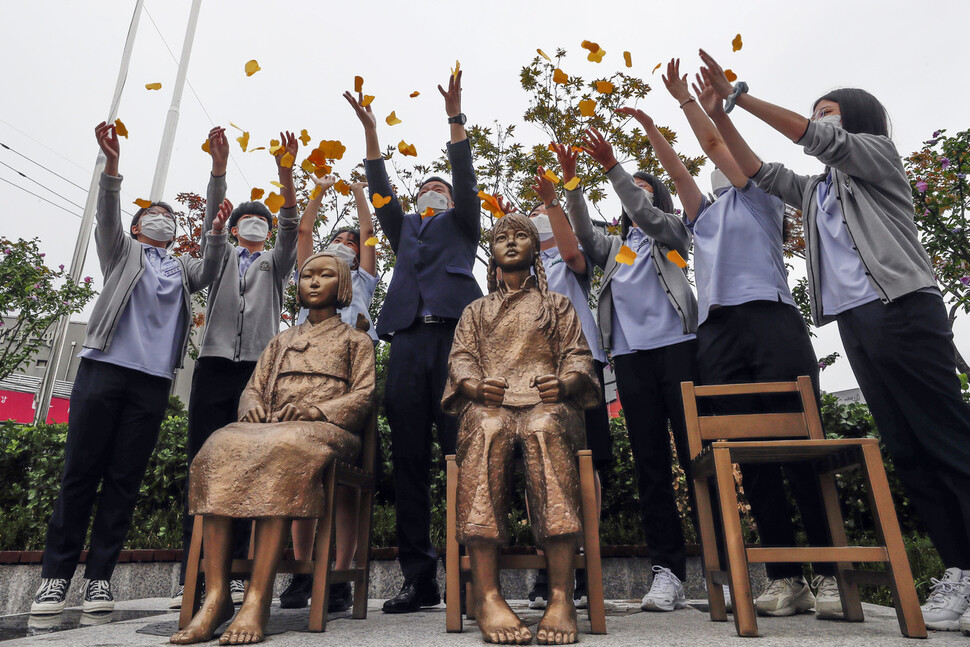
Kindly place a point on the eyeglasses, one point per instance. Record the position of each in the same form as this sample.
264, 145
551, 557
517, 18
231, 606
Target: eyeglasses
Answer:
821, 112
161, 212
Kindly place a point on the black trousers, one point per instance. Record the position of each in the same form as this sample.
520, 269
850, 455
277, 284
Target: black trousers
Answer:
217, 384
598, 438
416, 374
113, 425
767, 341
902, 355
648, 382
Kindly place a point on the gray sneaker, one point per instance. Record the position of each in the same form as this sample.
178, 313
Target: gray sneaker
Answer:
237, 589
828, 600
97, 597
785, 597
666, 592
51, 597
176, 601
947, 601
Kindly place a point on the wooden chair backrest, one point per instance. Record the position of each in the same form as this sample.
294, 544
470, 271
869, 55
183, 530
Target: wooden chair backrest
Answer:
802, 424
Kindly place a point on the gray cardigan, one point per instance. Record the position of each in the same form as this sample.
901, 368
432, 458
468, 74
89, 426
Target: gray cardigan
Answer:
665, 229
122, 261
877, 209
243, 313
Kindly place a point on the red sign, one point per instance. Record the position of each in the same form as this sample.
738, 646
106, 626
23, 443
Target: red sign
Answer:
19, 407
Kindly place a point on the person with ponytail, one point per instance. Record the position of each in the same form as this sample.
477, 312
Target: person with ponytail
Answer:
868, 271
647, 316
749, 330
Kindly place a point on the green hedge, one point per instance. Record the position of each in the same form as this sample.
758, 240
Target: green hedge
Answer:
31, 460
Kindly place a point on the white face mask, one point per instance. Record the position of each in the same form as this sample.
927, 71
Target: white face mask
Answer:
649, 196
719, 182
433, 199
157, 227
343, 252
835, 120
543, 226
253, 229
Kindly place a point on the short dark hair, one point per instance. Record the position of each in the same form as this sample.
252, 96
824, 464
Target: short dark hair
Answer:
661, 200
138, 214
861, 112
437, 178
247, 208
353, 231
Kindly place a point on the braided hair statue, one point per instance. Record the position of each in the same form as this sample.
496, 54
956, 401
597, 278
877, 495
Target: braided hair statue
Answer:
517, 222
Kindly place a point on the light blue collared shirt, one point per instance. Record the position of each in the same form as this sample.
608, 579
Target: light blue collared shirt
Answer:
844, 281
643, 317
246, 259
563, 280
363, 284
738, 250
149, 332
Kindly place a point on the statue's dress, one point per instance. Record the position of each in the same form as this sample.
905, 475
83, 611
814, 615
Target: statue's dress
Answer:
274, 469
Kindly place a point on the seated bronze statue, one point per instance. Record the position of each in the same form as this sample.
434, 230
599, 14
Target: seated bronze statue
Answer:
520, 373
310, 396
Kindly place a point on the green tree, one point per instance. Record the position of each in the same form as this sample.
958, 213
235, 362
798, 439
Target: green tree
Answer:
35, 297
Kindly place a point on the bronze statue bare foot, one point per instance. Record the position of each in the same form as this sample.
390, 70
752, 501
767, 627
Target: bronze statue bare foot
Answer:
248, 627
499, 624
558, 624
215, 610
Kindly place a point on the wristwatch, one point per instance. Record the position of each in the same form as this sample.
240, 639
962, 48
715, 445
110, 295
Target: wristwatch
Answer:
460, 118
554, 203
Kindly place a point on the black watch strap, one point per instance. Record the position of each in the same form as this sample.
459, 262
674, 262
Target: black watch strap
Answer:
458, 119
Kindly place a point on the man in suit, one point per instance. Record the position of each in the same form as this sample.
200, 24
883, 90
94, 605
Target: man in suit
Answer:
431, 285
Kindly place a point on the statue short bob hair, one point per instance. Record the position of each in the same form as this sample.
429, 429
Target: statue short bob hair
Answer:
345, 288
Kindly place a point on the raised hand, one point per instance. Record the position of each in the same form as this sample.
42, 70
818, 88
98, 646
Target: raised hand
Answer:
365, 114
292, 146
714, 74
359, 186
225, 210
291, 411
567, 160
506, 206
551, 388
643, 118
707, 96
675, 83
324, 182
599, 149
108, 141
544, 187
256, 414
491, 391
452, 95
219, 150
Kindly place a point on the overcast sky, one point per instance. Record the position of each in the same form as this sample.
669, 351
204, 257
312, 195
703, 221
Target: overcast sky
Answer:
61, 59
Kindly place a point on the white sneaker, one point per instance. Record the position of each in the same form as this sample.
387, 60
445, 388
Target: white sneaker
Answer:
947, 602
785, 597
965, 622
728, 605
51, 597
237, 589
666, 592
828, 601
176, 601
97, 597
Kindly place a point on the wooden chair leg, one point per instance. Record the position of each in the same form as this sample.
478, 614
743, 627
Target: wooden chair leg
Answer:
848, 591
322, 556
596, 606
744, 616
362, 556
708, 537
453, 622
192, 594
887, 525
469, 600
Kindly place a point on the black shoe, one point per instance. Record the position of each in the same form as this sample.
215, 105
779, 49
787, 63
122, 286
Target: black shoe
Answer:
341, 598
297, 594
414, 594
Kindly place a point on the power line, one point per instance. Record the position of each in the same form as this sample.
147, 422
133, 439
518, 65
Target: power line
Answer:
192, 89
23, 175
43, 167
7, 123
76, 215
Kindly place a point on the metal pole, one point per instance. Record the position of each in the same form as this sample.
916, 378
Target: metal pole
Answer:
43, 399
172, 120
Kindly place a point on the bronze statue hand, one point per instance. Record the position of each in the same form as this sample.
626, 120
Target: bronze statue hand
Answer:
491, 391
291, 411
551, 388
256, 414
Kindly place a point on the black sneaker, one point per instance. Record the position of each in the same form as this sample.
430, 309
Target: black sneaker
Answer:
97, 597
415, 593
297, 594
341, 597
579, 593
539, 595
237, 590
51, 597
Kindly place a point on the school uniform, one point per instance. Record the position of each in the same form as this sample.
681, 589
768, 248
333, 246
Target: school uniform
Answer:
135, 339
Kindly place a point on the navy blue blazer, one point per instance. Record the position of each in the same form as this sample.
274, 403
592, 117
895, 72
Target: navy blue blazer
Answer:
435, 255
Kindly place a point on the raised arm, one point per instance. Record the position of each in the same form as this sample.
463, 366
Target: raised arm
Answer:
467, 205
109, 234
215, 192
565, 238
594, 242
690, 196
304, 236
284, 252
201, 273
368, 254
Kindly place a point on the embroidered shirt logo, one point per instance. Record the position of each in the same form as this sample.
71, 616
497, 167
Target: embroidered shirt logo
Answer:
264, 266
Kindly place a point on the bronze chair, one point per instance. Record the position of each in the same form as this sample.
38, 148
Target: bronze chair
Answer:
803, 440
458, 567
321, 566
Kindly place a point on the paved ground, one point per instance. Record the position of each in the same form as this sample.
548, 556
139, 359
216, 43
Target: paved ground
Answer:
627, 625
